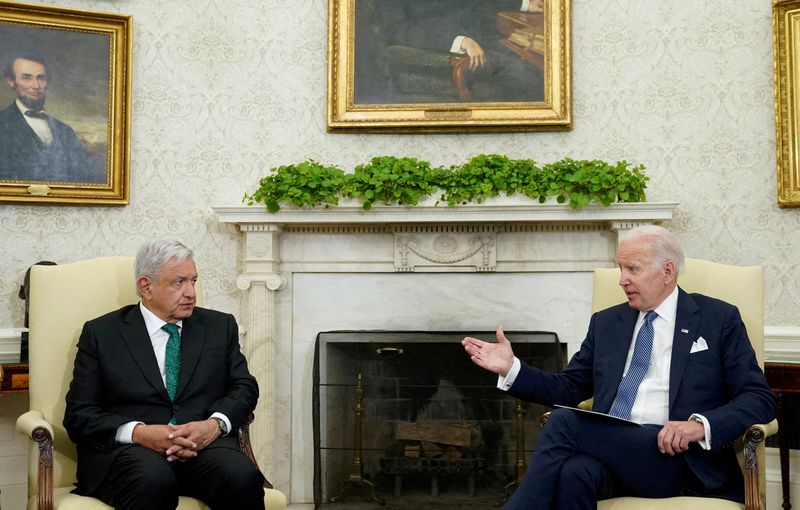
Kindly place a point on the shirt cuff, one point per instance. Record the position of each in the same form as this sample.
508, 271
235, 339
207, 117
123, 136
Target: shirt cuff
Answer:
125, 432
525, 5
505, 383
223, 418
706, 442
456, 46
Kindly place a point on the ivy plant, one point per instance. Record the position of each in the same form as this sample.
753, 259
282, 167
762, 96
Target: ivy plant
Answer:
391, 180
486, 176
303, 184
405, 181
581, 182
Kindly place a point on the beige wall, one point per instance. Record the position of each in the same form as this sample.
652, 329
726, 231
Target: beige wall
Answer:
223, 90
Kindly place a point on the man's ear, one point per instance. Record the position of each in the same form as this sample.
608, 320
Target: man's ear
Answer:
670, 272
10, 82
143, 283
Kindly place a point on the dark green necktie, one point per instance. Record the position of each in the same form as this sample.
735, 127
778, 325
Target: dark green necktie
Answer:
172, 360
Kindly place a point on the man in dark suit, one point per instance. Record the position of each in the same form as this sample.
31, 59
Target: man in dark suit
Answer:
466, 27
678, 366
154, 409
34, 145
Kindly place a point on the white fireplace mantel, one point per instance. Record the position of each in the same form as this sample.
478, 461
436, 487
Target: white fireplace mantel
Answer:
504, 210
306, 270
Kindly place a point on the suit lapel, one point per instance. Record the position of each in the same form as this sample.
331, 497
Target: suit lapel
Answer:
192, 339
134, 334
687, 320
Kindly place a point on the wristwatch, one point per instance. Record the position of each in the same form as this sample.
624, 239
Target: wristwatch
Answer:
223, 429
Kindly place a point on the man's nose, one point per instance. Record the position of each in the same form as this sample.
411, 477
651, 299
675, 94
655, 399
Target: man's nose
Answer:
189, 290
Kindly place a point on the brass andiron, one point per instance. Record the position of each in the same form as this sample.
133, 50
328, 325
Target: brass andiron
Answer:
357, 466
520, 466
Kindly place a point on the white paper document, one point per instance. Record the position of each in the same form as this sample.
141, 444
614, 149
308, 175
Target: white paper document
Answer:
599, 415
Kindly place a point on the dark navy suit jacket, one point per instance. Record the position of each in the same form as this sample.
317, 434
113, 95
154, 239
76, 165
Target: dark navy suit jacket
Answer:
23, 158
116, 380
723, 383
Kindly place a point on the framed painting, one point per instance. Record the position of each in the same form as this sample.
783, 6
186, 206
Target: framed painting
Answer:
786, 38
64, 105
449, 65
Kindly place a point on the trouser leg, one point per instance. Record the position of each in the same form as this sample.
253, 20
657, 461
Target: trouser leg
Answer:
628, 452
223, 478
139, 479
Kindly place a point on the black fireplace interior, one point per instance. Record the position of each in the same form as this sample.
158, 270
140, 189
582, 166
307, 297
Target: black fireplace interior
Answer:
406, 420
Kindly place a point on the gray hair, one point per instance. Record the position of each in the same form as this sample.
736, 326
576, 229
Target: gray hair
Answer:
154, 254
663, 244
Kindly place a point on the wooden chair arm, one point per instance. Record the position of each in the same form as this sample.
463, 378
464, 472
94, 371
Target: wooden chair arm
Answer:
36, 427
460, 67
244, 444
752, 439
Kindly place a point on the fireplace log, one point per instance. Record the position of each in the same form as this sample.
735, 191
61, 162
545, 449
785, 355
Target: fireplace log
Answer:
454, 435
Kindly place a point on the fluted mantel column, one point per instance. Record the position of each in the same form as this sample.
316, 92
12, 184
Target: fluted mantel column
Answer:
261, 280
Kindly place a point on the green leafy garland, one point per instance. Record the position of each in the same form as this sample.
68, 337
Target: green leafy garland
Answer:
405, 181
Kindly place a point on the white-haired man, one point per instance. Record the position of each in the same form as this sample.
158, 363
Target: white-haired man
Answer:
679, 366
156, 391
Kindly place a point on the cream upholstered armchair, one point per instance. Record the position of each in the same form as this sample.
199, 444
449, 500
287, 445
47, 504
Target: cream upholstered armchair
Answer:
743, 287
62, 298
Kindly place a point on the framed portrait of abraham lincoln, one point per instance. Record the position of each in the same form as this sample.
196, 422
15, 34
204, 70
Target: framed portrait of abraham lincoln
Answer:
449, 65
64, 105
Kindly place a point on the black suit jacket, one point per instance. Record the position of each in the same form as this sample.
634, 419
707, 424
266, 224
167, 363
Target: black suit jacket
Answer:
723, 383
23, 158
116, 380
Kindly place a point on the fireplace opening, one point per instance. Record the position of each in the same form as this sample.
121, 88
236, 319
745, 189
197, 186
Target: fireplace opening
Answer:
406, 420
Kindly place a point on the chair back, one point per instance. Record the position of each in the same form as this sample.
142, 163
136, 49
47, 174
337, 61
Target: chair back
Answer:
742, 286
62, 299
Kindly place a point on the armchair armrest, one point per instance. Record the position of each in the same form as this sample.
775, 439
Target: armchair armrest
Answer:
36, 427
244, 444
752, 439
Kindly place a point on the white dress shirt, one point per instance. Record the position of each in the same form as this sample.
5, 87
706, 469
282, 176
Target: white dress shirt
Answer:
40, 126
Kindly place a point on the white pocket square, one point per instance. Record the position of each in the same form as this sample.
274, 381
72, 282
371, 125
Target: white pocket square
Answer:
699, 345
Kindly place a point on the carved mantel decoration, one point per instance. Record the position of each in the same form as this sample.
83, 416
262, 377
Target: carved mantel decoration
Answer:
346, 242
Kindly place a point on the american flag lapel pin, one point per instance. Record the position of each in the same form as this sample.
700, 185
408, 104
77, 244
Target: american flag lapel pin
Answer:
684, 330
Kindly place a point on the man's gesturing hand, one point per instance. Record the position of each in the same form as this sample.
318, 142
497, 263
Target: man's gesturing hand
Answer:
495, 357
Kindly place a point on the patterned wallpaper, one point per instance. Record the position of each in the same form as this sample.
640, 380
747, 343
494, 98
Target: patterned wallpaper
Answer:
225, 89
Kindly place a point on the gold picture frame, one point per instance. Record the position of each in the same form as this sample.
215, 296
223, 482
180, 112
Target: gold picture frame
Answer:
786, 42
69, 72
396, 66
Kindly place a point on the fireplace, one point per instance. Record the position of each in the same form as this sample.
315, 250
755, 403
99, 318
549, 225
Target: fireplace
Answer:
470, 268
407, 418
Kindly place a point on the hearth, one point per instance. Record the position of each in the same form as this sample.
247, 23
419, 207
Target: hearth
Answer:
405, 418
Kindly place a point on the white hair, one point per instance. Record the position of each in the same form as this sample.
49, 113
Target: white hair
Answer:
154, 254
663, 244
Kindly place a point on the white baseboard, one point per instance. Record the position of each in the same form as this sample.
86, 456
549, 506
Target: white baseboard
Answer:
9, 344
782, 344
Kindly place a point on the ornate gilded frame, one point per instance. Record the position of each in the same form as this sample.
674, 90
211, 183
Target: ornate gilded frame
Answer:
554, 112
90, 55
786, 42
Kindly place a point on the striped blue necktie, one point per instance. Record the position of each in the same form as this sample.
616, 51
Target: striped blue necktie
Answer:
640, 362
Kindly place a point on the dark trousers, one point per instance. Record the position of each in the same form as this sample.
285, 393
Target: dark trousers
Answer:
223, 478
581, 459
